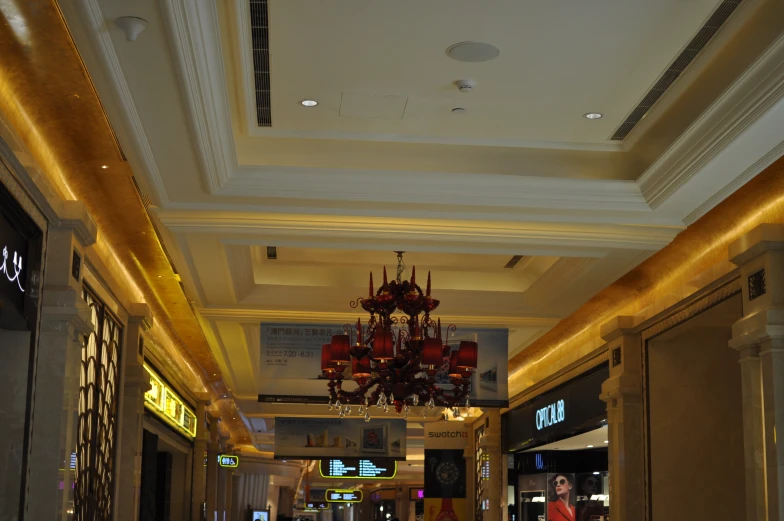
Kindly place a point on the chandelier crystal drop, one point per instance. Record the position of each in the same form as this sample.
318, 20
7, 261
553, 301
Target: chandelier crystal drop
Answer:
401, 356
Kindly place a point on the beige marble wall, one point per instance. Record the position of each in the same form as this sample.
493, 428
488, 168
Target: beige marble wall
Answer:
696, 431
15, 356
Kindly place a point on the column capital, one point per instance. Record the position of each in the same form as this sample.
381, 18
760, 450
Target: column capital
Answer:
618, 326
140, 312
74, 215
624, 385
765, 237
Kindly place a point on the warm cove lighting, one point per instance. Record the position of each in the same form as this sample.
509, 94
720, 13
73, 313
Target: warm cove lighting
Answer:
309, 103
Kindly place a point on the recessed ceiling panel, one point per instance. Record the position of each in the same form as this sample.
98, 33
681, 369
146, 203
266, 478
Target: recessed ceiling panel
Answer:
556, 63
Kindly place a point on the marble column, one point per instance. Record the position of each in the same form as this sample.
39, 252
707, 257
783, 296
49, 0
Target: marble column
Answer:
623, 394
199, 494
228, 503
759, 338
213, 450
135, 382
65, 321
491, 446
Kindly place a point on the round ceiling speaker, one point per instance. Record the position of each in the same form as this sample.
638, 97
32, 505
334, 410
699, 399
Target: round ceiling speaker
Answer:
473, 52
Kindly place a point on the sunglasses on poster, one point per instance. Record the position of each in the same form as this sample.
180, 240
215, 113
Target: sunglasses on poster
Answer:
557, 482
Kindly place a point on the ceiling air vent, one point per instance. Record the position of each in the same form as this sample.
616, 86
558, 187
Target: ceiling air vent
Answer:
272, 253
677, 66
513, 261
259, 27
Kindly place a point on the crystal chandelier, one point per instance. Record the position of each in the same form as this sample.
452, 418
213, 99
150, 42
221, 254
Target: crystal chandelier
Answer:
401, 360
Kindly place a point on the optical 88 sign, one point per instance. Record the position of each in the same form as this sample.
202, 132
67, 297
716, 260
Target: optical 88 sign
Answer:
550, 415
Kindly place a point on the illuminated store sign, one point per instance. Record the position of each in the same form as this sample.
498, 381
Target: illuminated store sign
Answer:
227, 460
12, 267
344, 496
356, 468
166, 404
416, 494
316, 506
550, 415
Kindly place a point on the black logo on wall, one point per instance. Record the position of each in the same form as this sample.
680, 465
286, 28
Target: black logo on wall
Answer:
445, 473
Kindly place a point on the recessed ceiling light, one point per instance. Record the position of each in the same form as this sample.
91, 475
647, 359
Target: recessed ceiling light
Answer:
606, 441
592, 115
104, 167
590, 446
596, 473
309, 103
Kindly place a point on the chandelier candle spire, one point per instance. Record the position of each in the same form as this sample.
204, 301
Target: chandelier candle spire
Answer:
400, 358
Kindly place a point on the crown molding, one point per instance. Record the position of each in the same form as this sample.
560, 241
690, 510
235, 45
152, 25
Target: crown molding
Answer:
195, 37
89, 29
744, 103
420, 187
260, 315
263, 132
572, 235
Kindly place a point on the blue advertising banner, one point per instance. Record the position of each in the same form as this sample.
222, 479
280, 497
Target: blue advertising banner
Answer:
291, 363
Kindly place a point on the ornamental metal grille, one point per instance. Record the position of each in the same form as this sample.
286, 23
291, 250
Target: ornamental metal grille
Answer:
97, 427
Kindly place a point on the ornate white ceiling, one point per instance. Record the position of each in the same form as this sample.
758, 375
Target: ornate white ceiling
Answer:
521, 173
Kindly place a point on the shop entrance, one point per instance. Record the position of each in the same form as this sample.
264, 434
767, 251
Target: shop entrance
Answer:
559, 442
165, 490
20, 255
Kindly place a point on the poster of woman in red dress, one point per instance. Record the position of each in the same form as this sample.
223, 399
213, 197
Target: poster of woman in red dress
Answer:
561, 495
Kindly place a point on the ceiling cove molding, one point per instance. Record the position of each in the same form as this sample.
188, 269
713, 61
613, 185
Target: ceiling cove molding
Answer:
763, 163
195, 38
572, 235
419, 187
259, 315
745, 102
400, 138
89, 29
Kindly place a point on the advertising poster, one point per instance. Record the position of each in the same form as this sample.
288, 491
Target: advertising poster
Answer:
447, 509
291, 364
445, 473
317, 438
561, 496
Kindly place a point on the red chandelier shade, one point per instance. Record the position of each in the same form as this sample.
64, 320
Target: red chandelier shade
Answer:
326, 363
383, 345
432, 352
467, 355
360, 368
340, 349
454, 371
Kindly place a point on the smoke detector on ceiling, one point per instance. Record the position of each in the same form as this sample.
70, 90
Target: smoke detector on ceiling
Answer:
465, 85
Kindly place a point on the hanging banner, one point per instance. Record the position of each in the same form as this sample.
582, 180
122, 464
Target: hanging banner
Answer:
290, 370
324, 438
445, 471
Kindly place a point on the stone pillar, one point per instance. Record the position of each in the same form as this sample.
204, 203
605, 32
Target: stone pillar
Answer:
759, 337
135, 382
623, 394
213, 450
199, 494
753, 429
229, 494
222, 485
490, 444
65, 321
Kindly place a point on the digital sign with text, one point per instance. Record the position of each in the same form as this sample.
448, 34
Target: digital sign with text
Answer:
358, 468
344, 496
